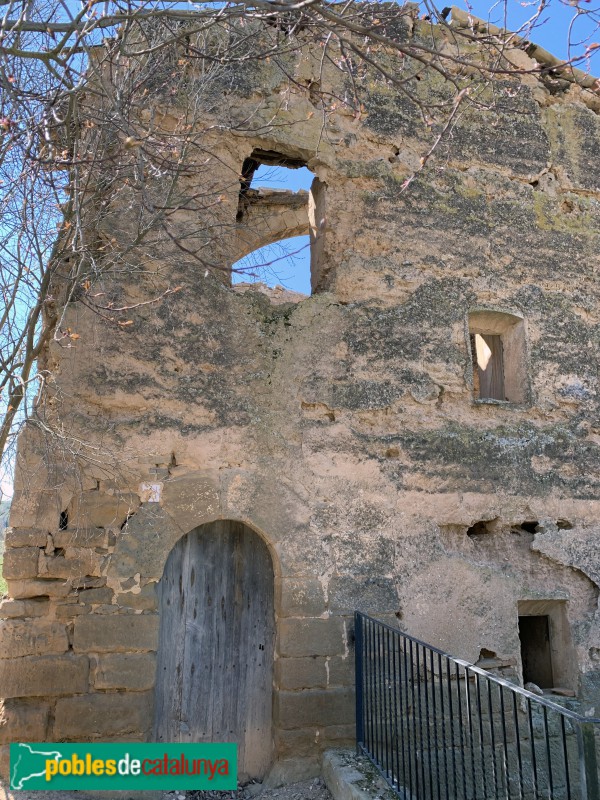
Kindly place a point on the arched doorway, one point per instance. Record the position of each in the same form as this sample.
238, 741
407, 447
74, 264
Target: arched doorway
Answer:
215, 655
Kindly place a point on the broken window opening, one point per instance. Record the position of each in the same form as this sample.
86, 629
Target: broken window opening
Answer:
498, 355
280, 238
63, 522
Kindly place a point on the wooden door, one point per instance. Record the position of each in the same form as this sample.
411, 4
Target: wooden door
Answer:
215, 654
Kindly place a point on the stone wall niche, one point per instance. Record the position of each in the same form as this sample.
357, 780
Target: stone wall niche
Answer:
552, 664
497, 342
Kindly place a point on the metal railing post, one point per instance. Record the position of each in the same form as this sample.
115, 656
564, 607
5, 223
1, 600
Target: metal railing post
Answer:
588, 762
358, 662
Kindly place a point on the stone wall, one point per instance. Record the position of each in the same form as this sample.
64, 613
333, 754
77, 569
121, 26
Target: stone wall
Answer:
342, 428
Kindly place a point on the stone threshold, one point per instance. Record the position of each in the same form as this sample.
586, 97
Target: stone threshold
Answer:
352, 777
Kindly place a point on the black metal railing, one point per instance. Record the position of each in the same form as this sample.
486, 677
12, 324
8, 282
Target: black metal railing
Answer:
439, 728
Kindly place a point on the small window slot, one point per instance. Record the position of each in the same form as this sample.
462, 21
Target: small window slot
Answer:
498, 355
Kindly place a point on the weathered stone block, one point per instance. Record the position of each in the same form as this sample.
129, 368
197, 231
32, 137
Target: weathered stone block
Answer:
316, 707
81, 537
298, 743
302, 597
99, 510
21, 563
38, 588
144, 600
192, 499
339, 735
363, 553
74, 563
23, 720
9, 609
135, 671
32, 508
35, 637
119, 633
95, 596
300, 673
372, 594
25, 537
99, 716
43, 676
341, 670
70, 610
302, 555
144, 544
273, 506
311, 637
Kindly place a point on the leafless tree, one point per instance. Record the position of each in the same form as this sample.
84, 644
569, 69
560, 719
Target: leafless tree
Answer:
75, 78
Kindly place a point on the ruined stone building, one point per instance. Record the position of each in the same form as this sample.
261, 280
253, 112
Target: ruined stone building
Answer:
239, 469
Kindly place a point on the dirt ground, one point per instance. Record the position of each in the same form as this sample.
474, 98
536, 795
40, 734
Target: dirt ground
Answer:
313, 789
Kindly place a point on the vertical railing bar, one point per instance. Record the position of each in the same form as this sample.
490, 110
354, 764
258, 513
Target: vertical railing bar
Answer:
471, 737
534, 774
445, 753
414, 715
481, 743
410, 711
388, 703
460, 728
505, 744
392, 700
377, 690
421, 742
435, 725
358, 670
548, 754
428, 723
380, 697
518, 742
397, 738
367, 685
588, 759
492, 738
383, 696
403, 712
372, 742
566, 757
451, 709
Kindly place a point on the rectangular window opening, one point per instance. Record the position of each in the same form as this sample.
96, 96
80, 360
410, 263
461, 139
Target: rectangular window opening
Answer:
498, 357
536, 651
281, 226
